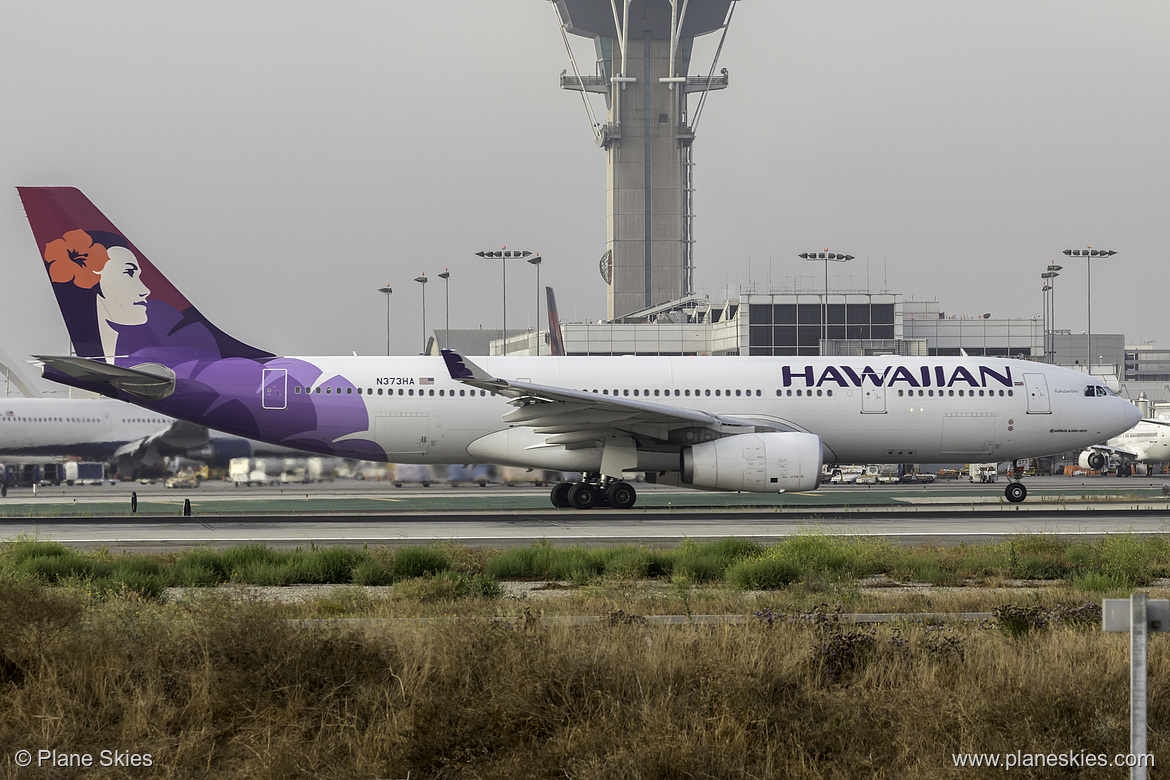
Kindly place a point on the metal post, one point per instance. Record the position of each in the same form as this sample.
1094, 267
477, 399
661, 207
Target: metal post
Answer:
423, 281
387, 291
1138, 616
504, 294
535, 260
1089, 315
1138, 646
446, 277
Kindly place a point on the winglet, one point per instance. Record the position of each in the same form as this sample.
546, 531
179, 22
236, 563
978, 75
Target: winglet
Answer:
461, 368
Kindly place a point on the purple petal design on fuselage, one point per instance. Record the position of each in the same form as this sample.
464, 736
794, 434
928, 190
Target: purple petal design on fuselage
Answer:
226, 394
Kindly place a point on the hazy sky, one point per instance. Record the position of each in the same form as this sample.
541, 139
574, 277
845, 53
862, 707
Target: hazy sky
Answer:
281, 161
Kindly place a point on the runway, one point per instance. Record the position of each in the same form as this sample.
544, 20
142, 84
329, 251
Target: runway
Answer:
365, 513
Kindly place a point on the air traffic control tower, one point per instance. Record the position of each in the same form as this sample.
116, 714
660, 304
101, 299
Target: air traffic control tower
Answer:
643, 54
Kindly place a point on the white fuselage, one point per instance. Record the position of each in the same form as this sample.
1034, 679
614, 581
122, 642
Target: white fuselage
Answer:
866, 410
77, 427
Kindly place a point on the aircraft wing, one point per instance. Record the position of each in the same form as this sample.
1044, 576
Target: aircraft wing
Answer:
569, 416
176, 439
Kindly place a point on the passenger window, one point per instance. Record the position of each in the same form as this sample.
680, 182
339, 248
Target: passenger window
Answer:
818, 392
686, 392
410, 392
349, 391
798, 391
655, 393
297, 390
707, 393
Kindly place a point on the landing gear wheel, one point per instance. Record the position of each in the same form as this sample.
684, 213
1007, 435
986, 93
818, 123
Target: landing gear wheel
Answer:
621, 495
583, 495
1015, 492
560, 495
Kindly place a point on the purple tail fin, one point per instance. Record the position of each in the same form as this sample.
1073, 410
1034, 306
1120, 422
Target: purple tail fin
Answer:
554, 324
115, 303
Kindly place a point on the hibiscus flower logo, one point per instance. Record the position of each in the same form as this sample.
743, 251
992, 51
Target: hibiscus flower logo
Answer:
76, 258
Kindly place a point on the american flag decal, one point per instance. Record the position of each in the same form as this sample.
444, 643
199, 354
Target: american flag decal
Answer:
426, 380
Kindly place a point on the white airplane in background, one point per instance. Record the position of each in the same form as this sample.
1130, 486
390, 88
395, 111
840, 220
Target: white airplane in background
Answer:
107, 430
1146, 442
755, 424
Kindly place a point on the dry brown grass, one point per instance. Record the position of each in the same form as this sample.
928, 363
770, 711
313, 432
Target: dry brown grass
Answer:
227, 688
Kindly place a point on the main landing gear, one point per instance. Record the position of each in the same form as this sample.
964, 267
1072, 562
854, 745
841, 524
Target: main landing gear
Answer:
593, 491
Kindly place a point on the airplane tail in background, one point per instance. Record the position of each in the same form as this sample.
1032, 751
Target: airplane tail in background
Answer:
556, 340
116, 304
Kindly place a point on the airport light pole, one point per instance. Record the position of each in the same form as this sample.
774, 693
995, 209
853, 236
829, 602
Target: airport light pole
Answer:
825, 257
423, 281
535, 260
446, 277
1089, 253
387, 291
1049, 278
504, 254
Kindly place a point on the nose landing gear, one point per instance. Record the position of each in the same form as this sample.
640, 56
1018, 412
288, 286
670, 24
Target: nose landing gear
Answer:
593, 491
1015, 491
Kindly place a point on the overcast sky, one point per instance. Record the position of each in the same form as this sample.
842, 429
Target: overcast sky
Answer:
282, 161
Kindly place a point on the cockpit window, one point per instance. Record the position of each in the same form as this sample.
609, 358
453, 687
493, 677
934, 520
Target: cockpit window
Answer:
1099, 391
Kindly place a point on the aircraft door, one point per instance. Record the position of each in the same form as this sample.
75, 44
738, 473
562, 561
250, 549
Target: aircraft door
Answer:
873, 399
1037, 387
273, 388
402, 433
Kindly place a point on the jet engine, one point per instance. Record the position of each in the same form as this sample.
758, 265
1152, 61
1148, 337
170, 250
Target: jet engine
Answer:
755, 462
1091, 460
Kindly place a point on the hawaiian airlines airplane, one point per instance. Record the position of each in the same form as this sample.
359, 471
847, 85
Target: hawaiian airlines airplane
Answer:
1146, 442
761, 424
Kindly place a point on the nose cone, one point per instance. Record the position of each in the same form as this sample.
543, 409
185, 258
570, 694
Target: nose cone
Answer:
1130, 415
1134, 415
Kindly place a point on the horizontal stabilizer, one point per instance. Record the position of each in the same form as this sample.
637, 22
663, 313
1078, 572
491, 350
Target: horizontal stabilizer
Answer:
148, 381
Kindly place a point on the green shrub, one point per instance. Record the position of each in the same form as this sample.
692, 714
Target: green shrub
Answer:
762, 574
23, 549
417, 561
372, 572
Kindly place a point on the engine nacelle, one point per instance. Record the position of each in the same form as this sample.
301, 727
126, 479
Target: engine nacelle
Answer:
755, 462
1091, 460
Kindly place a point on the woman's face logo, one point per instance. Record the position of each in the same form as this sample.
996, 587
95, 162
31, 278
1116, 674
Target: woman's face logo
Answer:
122, 295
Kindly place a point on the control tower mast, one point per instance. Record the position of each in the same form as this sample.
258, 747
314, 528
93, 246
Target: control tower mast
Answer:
643, 54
